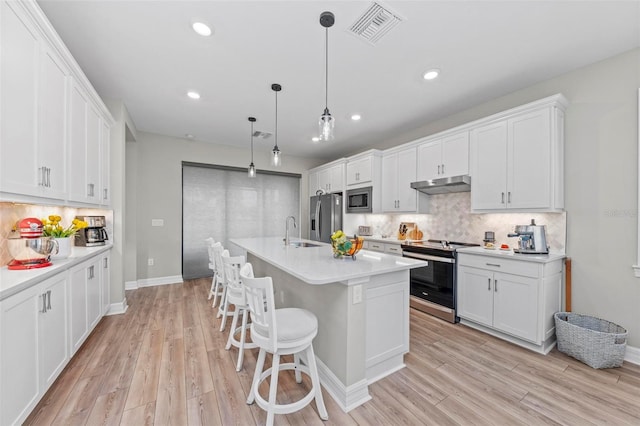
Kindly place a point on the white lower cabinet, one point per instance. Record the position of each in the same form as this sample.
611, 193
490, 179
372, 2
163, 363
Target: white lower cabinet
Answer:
33, 348
86, 308
513, 299
105, 280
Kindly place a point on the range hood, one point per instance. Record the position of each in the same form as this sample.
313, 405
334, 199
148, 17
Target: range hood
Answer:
460, 183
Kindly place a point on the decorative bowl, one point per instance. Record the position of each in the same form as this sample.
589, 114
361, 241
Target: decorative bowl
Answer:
340, 251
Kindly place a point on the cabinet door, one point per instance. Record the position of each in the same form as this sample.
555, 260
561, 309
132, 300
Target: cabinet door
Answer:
19, 58
429, 160
515, 307
94, 131
336, 178
324, 180
52, 128
407, 196
313, 183
105, 164
390, 182
475, 295
529, 165
455, 155
54, 344
77, 177
94, 293
78, 329
106, 283
359, 171
19, 384
488, 155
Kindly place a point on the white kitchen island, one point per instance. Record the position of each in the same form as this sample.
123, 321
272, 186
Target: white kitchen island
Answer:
362, 308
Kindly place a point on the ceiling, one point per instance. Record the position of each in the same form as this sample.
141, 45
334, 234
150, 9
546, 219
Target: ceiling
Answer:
146, 54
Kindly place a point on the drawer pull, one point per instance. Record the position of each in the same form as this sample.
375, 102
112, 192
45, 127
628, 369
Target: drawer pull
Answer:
493, 264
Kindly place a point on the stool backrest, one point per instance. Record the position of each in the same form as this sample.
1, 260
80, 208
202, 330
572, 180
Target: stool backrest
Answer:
210, 251
259, 295
235, 290
218, 252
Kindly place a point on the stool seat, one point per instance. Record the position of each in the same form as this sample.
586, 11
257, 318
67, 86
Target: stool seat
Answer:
294, 324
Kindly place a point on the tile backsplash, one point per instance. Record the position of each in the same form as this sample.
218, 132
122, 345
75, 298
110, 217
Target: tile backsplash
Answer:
11, 213
450, 218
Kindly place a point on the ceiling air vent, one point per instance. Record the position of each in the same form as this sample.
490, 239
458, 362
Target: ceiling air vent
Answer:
375, 23
261, 135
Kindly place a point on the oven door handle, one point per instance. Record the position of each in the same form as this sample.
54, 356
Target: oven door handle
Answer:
427, 257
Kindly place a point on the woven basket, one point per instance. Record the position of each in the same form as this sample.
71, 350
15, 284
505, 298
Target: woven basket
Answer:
596, 342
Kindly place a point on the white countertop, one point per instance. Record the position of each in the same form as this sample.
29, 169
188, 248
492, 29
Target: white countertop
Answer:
15, 281
316, 265
509, 254
388, 240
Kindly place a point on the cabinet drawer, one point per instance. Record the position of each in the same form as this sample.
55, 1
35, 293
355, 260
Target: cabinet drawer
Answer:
393, 249
376, 246
508, 266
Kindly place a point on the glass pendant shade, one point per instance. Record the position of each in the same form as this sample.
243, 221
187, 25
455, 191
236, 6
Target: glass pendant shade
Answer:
251, 172
276, 158
325, 126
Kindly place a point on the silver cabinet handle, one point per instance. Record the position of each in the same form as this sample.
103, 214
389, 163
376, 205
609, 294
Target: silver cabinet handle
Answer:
489, 284
41, 173
48, 299
493, 264
495, 285
443, 169
438, 168
502, 201
48, 177
106, 263
509, 197
105, 193
44, 302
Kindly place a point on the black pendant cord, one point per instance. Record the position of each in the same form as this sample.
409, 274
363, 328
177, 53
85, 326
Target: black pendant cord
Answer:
326, 69
252, 142
276, 147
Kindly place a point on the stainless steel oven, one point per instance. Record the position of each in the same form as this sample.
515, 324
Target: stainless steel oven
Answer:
433, 287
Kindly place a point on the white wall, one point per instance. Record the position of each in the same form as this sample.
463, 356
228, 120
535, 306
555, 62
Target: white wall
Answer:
159, 193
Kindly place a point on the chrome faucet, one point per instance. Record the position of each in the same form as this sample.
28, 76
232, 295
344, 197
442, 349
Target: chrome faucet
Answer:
286, 229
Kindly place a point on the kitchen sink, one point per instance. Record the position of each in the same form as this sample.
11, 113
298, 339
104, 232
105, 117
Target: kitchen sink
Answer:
303, 244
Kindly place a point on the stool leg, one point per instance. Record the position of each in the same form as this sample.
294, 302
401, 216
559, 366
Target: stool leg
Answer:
224, 313
216, 289
315, 380
222, 299
234, 324
296, 361
243, 335
256, 376
273, 388
213, 286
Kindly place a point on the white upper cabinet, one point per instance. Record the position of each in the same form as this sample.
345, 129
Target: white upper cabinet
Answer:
328, 177
360, 171
47, 109
33, 89
398, 171
444, 157
105, 165
517, 161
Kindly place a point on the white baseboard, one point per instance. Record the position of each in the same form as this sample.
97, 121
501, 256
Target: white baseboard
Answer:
348, 397
150, 282
118, 308
632, 355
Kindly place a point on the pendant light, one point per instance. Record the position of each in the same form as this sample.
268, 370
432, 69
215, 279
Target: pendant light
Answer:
252, 168
276, 159
326, 122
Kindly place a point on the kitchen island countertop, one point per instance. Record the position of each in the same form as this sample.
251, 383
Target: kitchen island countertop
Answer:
316, 265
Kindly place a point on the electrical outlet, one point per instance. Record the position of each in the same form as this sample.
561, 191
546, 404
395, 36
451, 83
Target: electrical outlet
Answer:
157, 222
150, 261
357, 294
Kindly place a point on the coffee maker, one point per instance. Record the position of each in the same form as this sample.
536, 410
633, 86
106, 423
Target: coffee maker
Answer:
532, 239
94, 234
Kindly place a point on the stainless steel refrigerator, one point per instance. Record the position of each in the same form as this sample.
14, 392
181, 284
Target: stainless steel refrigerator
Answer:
326, 216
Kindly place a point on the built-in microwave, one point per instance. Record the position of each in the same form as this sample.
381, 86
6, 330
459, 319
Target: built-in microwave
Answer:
359, 200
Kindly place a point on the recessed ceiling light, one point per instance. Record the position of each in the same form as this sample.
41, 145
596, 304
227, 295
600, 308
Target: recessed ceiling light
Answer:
189, 136
356, 117
431, 74
201, 28
193, 95
315, 139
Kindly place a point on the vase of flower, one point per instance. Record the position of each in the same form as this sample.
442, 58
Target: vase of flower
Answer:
64, 248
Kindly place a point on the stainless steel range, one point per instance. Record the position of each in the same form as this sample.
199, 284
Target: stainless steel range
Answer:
433, 287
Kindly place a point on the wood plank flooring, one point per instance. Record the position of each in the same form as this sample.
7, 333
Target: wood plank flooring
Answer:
164, 363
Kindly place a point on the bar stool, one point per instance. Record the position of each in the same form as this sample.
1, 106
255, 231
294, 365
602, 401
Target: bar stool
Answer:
280, 332
215, 289
218, 253
236, 297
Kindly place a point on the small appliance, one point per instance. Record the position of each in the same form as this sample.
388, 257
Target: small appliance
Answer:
365, 230
325, 216
94, 234
359, 200
532, 238
31, 250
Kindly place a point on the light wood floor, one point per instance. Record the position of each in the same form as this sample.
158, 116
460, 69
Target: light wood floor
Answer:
163, 362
